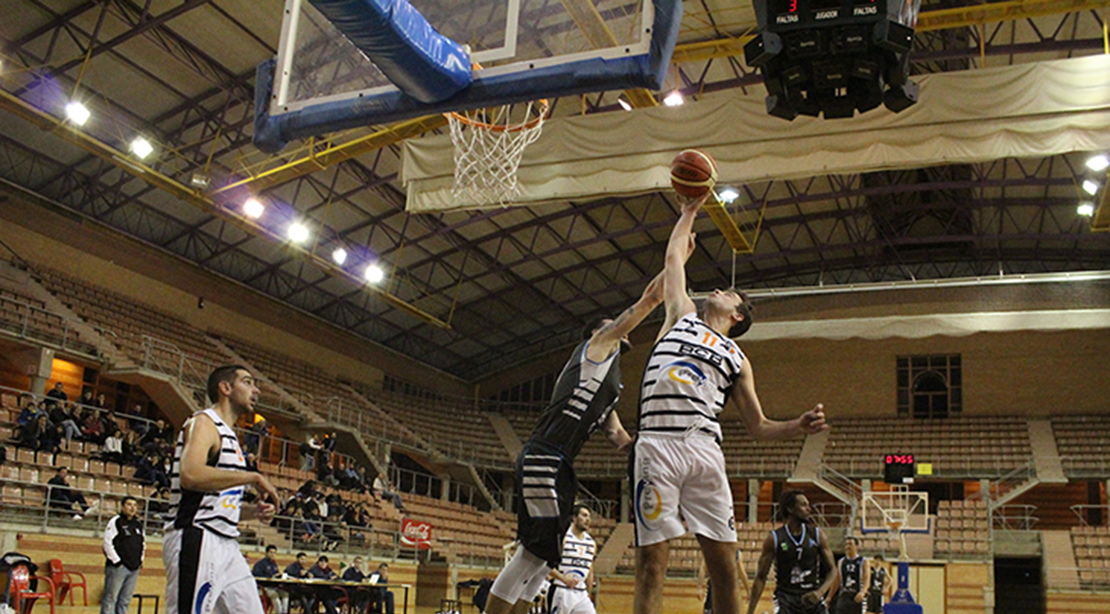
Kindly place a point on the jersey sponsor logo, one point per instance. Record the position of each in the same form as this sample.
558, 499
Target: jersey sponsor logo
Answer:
231, 499
685, 372
700, 352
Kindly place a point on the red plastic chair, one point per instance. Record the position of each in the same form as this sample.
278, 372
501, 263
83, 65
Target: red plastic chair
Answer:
66, 582
22, 597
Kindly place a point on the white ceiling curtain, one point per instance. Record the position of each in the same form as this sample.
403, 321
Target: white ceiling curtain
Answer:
1027, 110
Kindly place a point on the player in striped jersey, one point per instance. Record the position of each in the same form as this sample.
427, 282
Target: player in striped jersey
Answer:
678, 469
205, 572
585, 395
571, 581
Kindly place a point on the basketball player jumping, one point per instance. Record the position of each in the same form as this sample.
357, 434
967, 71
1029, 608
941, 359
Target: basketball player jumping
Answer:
570, 583
585, 394
678, 469
205, 572
801, 554
855, 577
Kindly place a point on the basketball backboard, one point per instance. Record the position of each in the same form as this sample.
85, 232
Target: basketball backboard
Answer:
897, 510
520, 50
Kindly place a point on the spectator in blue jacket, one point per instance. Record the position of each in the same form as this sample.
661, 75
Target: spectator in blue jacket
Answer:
268, 568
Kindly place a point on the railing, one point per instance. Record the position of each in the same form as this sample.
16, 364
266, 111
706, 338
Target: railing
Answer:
943, 467
842, 482
1078, 578
1092, 515
833, 515
334, 537
425, 484
31, 507
1014, 517
1093, 466
23, 326
1008, 482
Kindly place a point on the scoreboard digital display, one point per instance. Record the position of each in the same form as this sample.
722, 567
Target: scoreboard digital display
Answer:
898, 468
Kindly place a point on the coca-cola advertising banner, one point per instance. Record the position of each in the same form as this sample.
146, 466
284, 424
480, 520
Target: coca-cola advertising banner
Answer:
416, 534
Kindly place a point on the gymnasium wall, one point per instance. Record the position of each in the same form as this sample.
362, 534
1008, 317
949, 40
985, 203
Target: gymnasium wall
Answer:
103, 258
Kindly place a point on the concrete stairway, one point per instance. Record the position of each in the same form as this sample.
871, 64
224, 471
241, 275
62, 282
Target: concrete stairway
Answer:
505, 434
1046, 457
620, 540
1059, 561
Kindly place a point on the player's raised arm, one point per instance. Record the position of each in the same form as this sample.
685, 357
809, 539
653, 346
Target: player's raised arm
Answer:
607, 338
762, 427
615, 433
675, 298
761, 571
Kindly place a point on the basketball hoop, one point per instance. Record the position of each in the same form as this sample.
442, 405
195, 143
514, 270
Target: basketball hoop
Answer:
489, 144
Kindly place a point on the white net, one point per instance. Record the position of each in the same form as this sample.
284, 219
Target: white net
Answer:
489, 144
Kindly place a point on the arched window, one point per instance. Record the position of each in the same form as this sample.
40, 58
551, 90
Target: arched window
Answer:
929, 386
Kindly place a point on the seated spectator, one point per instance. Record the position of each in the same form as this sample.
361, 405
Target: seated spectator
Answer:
360, 598
136, 421
39, 435
92, 429
159, 503
299, 570
363, 482
381, 596
58, 393
308, 451
252, 439
268, 568
156, 436
324, 472
63, 498
66, 420
151, 469
113, 449
327, 594
87, 399
381, 491
28, 409
129, 448
252, 462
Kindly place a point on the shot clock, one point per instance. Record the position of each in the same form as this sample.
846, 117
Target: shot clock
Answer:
897, 468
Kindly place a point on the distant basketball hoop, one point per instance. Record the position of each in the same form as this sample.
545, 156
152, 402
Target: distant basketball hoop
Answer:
895, 512
489, 144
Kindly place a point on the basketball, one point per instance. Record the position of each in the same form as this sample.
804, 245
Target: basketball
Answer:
693, 173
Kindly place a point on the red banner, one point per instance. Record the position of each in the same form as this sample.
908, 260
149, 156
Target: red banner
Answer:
416, 534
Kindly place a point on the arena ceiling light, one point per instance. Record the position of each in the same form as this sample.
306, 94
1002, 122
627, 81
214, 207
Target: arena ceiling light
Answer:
141, 148
339, 256
298, 232
1086, 208
1098, 163
627, 106
1090, 186
253, 209
374, 274
728, 195
77, 113
674, 99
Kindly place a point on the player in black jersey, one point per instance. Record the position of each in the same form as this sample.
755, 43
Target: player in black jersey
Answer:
802, 556
855, 576
879, 587
585, 396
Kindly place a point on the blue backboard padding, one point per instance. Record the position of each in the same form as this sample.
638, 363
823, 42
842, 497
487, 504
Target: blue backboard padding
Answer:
648, 70
420, 61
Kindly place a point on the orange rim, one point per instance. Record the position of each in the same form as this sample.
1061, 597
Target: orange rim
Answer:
532, 123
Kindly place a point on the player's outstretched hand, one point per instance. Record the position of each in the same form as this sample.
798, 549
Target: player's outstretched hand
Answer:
692, 204
813, 421
266, 488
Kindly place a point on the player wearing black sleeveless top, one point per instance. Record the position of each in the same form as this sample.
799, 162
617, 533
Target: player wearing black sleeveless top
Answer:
880, 583
585, 395
805, 570
855, 576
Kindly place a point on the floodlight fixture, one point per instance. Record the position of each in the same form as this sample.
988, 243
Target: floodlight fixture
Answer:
339, 256
1098, 162
1090, 186
298, 232
1086, 208
253, 209
728, 195
374, 273
627, 106
674, 99
77, 113
141, 148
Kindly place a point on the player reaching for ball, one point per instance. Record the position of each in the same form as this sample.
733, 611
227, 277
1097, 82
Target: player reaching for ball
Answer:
678, 469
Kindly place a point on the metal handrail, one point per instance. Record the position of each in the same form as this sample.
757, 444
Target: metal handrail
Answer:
1014, 517
68, 341
1082, 511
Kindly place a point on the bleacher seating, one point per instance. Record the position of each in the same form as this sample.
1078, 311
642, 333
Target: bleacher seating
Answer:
1092, 555
685, 557
455, 428
23, 315
963, 529
1083, 443
987, 446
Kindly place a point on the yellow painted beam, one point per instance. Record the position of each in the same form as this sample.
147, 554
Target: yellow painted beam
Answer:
125, 162
730, 230
338, 153
1002, 11
1100, 221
